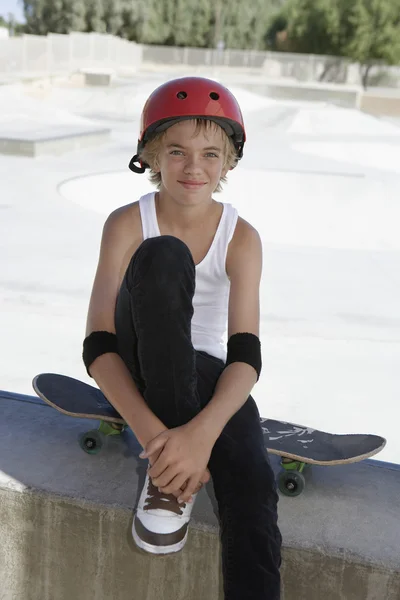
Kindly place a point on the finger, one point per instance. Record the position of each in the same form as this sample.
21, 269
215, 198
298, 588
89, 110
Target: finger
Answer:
155, 445
198, 487
165, 478
177, 493
205, 478
158, 467
190, 489
175, 486
152, 459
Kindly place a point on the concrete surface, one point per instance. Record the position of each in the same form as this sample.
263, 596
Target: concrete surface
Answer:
312, 92
51, 141
381, 103
66, 519
321, 184
29, 128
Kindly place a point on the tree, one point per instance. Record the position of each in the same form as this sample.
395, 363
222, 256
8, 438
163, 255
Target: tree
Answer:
132, 17
243, 24
54, 16
316, 26
366, 31
113, 16
94, 16
156, 19
376, 34
192, 23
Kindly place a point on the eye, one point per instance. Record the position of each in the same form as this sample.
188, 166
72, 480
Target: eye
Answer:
212, 154
176, 152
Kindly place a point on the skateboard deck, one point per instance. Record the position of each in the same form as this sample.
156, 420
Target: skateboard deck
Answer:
297, 445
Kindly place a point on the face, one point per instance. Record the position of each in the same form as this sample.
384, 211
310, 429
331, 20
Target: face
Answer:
190, 165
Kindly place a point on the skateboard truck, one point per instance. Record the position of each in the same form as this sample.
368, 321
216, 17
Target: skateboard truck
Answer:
93, 441
291, 481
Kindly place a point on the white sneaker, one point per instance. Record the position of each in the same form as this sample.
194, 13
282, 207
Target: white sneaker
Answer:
160, 525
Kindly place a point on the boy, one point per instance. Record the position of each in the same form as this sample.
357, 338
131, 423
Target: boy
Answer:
174, 270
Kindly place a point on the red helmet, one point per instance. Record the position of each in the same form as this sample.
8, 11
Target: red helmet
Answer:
190, 98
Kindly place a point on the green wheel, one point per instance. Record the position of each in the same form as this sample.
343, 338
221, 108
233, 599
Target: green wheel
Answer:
291, 483
92, 441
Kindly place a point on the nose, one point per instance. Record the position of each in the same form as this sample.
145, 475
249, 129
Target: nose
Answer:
192, 164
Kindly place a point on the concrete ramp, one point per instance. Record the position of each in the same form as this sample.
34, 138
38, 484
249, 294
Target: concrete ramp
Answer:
66, 519
28, 127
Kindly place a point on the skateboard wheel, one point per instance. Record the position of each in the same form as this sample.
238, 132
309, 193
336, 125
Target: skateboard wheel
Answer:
92, 441
291, 483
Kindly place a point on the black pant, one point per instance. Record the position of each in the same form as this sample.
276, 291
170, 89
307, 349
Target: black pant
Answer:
153, 324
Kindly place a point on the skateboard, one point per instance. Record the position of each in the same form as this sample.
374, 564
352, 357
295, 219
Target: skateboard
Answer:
296, 445
299, 446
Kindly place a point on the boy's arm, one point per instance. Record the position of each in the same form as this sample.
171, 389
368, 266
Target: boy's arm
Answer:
244, 267
108, 370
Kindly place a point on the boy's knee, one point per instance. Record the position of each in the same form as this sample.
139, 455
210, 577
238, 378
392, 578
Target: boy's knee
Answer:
162, 265
160, 258
166, 248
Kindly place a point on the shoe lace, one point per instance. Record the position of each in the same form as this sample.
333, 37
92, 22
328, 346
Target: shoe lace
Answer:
156, 499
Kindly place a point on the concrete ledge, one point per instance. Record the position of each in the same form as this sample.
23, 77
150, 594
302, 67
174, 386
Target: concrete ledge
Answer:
98, 77
66, 519
381, 103
54, 140
336, 94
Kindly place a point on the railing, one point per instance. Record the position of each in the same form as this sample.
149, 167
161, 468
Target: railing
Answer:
31, 54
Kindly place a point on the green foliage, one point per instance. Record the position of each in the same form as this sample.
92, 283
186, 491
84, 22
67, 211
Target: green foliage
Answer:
157, 21
364, 30
199, 23
94, 16
278, 23
54, 16
317, 26
113, 18
192, 27
376, 35
244, 24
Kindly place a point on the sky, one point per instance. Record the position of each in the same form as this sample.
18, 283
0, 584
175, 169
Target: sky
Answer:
12, 6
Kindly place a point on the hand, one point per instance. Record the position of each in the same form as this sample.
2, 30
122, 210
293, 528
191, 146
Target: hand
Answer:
179, 456
205, 478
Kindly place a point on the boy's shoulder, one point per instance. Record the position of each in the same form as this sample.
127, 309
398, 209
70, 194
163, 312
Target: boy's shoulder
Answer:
124, 213
123, 225
124, 218
245, 235
245, 249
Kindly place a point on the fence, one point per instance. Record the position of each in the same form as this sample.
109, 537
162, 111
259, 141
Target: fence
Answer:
274, 65
66, 53
69, 53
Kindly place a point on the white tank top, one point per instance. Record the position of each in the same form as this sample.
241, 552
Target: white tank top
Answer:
210, 302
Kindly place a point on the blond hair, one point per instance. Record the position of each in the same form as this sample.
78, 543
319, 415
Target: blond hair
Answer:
150, 152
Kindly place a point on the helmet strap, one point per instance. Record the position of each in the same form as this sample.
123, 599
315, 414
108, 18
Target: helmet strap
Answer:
133, 167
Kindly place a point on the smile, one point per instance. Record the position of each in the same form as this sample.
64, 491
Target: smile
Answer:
192, 184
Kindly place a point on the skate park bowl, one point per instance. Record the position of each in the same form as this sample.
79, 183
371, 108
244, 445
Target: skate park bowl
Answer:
321, 185
27, 128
